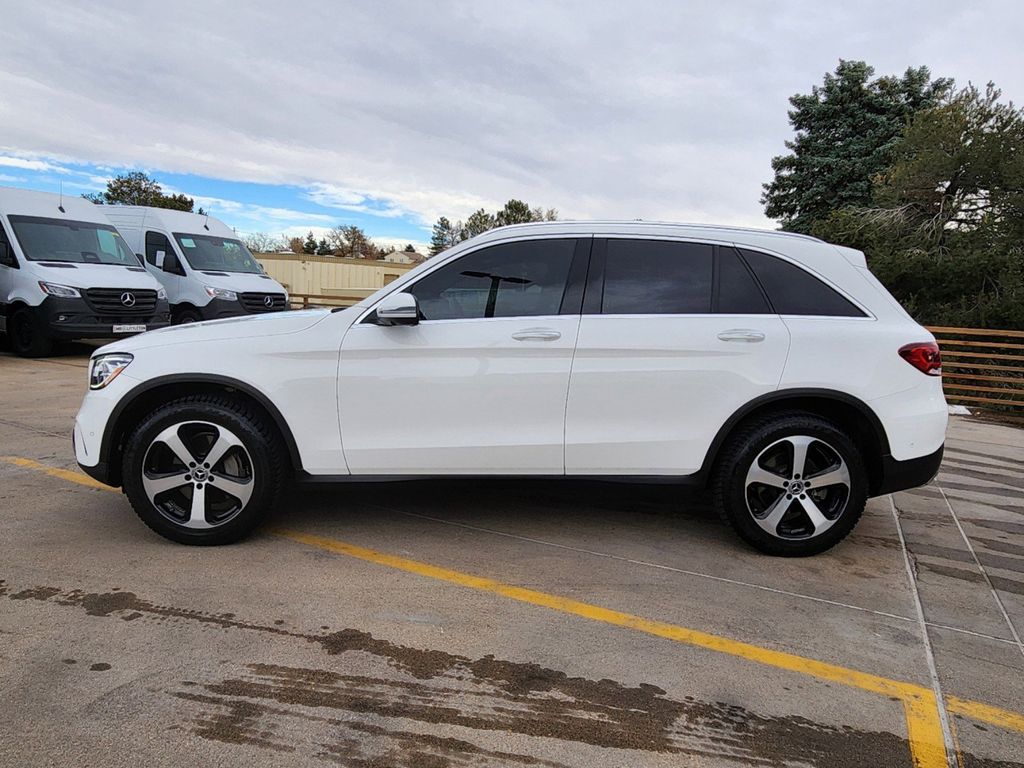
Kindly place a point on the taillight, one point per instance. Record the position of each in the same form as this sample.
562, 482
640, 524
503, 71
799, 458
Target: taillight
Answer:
924, 356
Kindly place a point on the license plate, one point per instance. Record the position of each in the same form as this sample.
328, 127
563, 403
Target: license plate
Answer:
129, 329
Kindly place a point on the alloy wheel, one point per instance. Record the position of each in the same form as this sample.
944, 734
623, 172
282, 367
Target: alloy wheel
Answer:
797, 487
197, 474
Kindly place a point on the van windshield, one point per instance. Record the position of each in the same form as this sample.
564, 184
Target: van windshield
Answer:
81, 242
216, 254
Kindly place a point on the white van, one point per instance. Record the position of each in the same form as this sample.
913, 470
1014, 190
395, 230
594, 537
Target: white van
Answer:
66, 273
207, 272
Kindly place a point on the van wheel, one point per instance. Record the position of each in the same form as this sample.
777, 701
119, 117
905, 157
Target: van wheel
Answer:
792, 484
186, 315
203, 470
27, 338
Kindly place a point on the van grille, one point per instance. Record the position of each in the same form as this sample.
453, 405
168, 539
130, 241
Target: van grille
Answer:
257, 302
135, 302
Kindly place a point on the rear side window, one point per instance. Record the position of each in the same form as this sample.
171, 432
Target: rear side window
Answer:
652, 277
794, 291
738, 292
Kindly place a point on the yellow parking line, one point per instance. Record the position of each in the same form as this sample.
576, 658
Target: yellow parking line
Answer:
924, 732
63, 474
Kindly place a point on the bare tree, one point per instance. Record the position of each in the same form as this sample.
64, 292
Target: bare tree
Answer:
263, 242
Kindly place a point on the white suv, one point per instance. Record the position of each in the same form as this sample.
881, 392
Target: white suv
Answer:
771, 367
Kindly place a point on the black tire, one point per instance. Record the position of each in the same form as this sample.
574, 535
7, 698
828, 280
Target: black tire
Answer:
736, 501
264, 453
186, 315
27, 336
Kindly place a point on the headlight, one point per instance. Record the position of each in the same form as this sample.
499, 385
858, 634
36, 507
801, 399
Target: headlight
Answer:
105, 368
220, 293
161, 293
63, 291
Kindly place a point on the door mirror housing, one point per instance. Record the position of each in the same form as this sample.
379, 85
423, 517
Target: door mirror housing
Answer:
171, 264
398, 309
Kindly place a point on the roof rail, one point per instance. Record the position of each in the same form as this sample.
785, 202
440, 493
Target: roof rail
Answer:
673, 224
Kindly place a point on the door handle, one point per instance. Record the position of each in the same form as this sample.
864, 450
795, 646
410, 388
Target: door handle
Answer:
742, 334
537, 334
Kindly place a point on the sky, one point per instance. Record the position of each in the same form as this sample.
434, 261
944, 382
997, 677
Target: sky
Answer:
287, 117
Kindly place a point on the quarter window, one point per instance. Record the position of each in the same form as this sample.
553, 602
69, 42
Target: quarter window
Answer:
521, 279
653, 277
794, 291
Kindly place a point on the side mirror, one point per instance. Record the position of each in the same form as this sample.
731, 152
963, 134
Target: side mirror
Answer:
141, 258
6, 257
171, 264
398, 309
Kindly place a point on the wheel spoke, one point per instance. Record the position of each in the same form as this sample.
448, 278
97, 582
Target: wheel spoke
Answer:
172, 440
762, 476
838, 476
770, 521
241, 491
197, 515
800, 445
818, 520
157, 485
225, 442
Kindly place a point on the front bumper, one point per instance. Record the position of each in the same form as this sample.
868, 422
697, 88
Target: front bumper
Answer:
217, 309
75, 319
91, 427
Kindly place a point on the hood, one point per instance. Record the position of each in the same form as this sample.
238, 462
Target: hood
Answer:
240, 282
270, 324
93, 275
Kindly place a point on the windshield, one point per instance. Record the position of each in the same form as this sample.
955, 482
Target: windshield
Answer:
81, 242
216, 254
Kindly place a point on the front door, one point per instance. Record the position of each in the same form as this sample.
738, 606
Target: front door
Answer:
675, 337
479, 385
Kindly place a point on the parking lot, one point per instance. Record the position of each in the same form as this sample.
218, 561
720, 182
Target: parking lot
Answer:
514, 623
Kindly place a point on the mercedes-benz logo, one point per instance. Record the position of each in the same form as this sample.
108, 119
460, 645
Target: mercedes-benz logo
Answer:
268, 301
128, 299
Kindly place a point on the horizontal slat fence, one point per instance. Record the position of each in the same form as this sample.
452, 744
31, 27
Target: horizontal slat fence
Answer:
983, 369
334, 299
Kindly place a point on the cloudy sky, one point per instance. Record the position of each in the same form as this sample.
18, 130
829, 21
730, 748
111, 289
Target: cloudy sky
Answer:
292, 115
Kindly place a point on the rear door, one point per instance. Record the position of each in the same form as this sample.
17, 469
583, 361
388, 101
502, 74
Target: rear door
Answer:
675, 337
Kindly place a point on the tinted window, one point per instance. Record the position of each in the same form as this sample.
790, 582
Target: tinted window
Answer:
738, 292
793, 291
155, 242
512, 280
657, 277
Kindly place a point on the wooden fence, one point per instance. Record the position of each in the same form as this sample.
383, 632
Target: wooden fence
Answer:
983, 369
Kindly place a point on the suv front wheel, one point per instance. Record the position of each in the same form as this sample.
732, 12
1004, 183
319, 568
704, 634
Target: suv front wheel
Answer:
204, 469
792, 484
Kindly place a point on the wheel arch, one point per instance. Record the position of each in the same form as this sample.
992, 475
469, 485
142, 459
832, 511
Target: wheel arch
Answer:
848, 412
143, 398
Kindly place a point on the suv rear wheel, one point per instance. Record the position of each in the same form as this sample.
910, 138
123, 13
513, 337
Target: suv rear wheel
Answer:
203, 470
792, 484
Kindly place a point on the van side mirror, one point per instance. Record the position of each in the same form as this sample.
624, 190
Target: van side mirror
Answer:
6, 257
171, 264
141, 258
398, 309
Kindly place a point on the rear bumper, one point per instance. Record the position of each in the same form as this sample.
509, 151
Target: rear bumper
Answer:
911, 473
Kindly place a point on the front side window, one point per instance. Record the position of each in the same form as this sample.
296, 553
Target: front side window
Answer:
794, 291
523, 279
655, 277
216, 254
157, 244
7, 257
80, 242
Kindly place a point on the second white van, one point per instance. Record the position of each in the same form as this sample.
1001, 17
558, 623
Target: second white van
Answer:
207, 271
